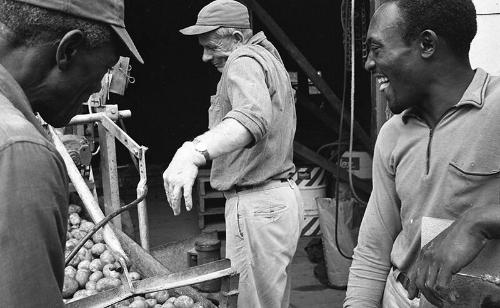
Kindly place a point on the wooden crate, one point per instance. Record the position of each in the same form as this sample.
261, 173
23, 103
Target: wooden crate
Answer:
210, 204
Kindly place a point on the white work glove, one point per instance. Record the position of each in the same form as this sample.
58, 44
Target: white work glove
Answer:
180, 175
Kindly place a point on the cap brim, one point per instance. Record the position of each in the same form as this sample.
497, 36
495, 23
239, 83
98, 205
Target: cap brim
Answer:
198, 29
125, 37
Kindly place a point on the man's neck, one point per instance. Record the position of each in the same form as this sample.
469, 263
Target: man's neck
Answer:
446, 91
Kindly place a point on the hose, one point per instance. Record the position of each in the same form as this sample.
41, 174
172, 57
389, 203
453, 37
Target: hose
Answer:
100, 225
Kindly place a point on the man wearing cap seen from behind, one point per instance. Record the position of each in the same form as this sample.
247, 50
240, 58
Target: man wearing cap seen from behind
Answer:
53, 55
250, 140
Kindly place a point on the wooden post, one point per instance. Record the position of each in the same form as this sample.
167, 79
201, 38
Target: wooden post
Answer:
109, 174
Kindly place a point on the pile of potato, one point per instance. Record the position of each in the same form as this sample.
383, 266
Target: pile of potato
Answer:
94, 269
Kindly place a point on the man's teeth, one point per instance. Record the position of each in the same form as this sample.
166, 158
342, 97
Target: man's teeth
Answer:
383, 82
382, 79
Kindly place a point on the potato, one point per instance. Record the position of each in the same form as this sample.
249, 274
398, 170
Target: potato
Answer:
197, 305
77, 234
168, 305
98, 249
90, 285
157, 306
171, 299
183, 301
138, 304
69, 287
107, 257
162, 296
71, 244
96, 276
82, 277
88, 244
107, 283
150, 295
86, 226
91, 292
74, 219
108, 271
75, 261
96, 265
84, 264
125, 302
151, 302
73, 208
134, 276
70, 271
98, 237
84, 254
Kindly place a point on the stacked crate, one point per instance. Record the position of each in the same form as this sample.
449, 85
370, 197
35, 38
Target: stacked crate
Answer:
210, 204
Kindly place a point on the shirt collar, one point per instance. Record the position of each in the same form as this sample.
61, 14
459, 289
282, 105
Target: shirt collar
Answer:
15, 94
473, 96
257, 38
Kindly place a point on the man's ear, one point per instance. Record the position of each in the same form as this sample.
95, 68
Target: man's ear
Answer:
238, 36
68, 48
428, 43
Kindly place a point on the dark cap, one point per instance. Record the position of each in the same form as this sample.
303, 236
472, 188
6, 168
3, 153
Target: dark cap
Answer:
111, 12
219, 13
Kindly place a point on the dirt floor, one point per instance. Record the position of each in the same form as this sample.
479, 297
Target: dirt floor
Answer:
307, 291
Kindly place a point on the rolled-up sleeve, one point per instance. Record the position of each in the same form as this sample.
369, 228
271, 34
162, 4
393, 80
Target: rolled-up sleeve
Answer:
33, 217
249, 96
379, 228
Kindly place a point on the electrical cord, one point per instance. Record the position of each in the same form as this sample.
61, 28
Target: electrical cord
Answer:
339, 139
101, 224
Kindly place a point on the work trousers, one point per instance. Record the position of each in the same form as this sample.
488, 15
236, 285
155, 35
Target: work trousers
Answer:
263, 227
396, 296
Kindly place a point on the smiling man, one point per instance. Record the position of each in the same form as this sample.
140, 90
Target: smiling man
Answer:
53, 55
439, 155
250, 140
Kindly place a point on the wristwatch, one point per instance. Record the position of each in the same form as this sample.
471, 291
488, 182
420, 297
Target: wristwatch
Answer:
202, 148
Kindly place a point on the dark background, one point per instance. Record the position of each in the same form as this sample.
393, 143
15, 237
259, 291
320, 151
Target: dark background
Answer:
170, 98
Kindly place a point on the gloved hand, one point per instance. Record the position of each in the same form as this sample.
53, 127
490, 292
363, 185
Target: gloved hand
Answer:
180, 175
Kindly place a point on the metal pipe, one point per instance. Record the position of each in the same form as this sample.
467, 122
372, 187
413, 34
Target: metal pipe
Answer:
87, 198
97, 117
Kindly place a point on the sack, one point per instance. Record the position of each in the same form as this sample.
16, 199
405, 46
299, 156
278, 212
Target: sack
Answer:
336, 264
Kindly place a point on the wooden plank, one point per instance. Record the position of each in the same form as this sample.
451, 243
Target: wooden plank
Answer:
190, 276
89, 202
109, 174
311, 156
307, 67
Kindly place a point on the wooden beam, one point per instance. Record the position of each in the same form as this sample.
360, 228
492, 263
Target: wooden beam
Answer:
307, 67
311, 156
